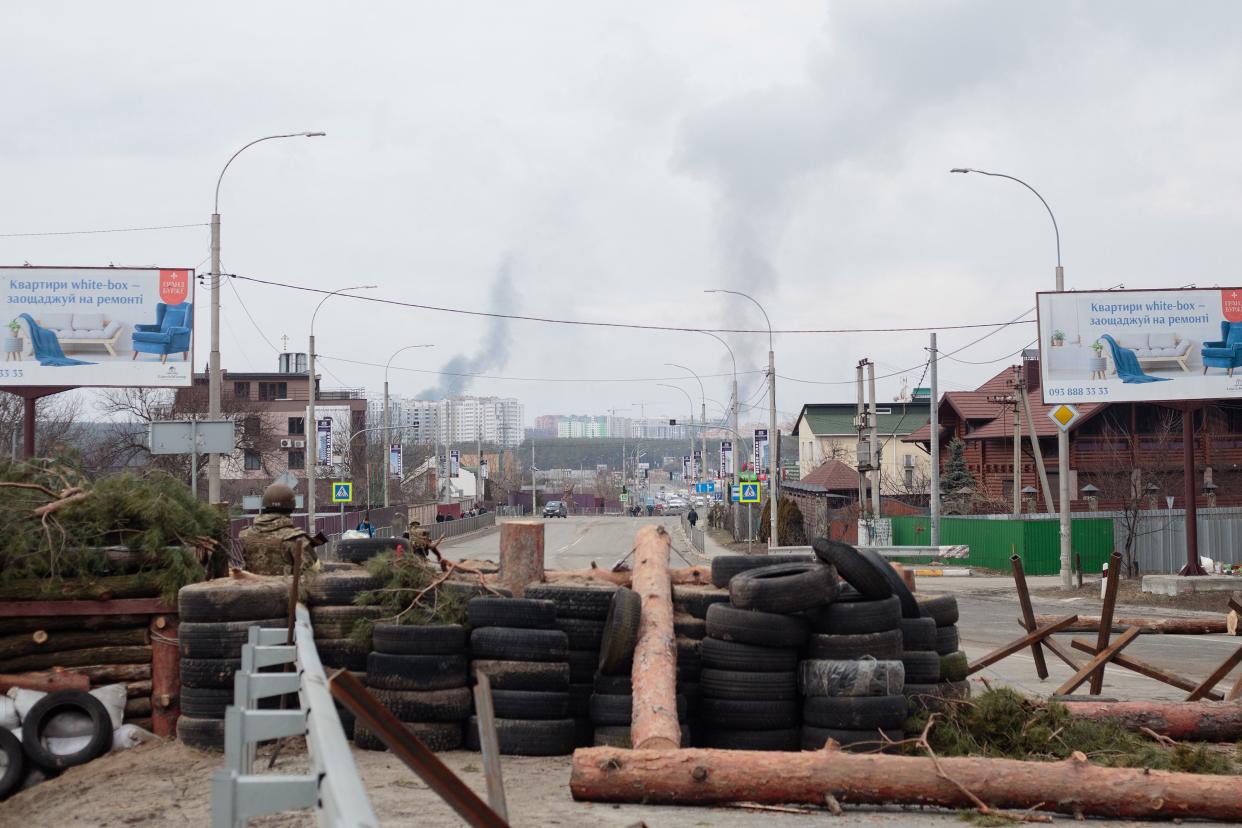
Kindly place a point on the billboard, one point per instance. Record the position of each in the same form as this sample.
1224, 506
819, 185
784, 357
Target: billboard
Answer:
761, 449
1140, 345
101, 326
726, 457
396, 460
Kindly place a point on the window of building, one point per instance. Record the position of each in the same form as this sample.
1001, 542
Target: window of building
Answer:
241, 390
909, 477
297, 459
273, 391
254, 460
297, 425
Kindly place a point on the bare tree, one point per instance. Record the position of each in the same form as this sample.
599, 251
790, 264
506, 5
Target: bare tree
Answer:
57, 429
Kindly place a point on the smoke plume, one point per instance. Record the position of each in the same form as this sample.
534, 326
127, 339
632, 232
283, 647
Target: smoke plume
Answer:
494, 350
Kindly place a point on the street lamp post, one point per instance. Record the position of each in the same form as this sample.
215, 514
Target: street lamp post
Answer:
1063, 482
313, 444
213, 368
702, 419
773, 478
737, 450
690, 400
388, 420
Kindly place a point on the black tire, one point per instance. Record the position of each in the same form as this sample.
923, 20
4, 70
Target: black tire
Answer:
416, 672
361, 550
580, 701
689, 659
514, 613
618, 709
763, 629
616, 649
230, 599
436, 736
909, 607
343, 653
451, 705
523, 675
861, 713
222, 639
583, 633
687, 626
205, 702
814, 738
530, 704
209, 672
857, 571
885, 645
695, 601
574, 601
943, 608
513, 644
786, 739
731, 655
613, 685
868, 677
203, 734
430, 639
14, 764
921, 667
953, 666
855, 617
338, 622
618, 736
527, 737
918, 634
582, 665
784, 588
735, 684
339, 588
725, 567
744, 714
53, 704
947, 640
466, 590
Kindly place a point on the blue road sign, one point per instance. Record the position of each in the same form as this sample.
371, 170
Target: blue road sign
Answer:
750, 493
342, 492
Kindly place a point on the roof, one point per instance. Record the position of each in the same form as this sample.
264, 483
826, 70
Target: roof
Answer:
838, 418
833, 475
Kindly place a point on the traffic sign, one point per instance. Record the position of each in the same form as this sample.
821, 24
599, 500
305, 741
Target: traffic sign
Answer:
1064, 416
750, 493
342, 492
624, 497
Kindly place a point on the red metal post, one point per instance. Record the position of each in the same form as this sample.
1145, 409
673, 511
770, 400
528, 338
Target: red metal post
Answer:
165, 676
1192, 566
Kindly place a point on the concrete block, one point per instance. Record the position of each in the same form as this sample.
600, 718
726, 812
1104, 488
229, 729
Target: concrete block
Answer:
1183, 584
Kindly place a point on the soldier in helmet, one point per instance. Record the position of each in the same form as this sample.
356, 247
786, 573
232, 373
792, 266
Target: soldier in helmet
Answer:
420, 540
271, 544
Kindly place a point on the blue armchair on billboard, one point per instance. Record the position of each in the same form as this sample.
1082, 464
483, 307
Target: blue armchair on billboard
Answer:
1227, 353
169, 335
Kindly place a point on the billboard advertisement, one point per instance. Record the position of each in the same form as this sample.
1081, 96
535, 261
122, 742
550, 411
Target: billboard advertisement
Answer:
761, 449
1140, 345
396, 460
100, 326
454, 463
726, 457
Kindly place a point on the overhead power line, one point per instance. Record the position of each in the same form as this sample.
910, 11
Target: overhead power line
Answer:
106, 230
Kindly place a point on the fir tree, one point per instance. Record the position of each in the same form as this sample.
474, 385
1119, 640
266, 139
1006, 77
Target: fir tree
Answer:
956, 476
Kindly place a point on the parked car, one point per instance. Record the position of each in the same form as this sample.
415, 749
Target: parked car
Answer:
555, 508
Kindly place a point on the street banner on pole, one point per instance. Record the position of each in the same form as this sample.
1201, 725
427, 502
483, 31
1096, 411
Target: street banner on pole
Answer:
685, 467
698, 463
761, 448
726, 457
395, 460
454, 463
483, 469
323, 430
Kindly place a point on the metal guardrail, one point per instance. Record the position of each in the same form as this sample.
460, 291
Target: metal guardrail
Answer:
694, 534
460, 526
960, 551
332, 787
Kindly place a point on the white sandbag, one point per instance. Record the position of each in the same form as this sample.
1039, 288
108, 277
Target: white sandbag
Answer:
131, 735
70, 724
61, 745
8, 714
353, 534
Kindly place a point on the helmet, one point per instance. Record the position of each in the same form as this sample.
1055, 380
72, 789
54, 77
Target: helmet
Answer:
278, 498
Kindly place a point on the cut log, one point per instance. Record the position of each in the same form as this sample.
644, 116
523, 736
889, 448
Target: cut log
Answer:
9, 626
521, 554
145, 724
55, 641
134, 689
138, 585
165, 676
100, 674
140, 706
1167, 626
653, 723
711, 777
76, 658
1183, 721
683, 576
45, 681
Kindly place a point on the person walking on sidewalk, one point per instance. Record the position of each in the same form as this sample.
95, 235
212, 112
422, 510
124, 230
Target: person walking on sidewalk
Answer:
693, 517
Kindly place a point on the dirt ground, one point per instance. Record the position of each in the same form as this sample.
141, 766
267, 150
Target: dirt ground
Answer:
1130, 593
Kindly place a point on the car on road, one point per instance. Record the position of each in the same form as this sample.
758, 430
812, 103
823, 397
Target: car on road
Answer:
555, 508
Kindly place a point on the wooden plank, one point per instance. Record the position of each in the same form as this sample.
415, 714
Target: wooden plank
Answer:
1144, 668
1028, 615
116, 606
1021, 643
489, 746
1095, 667
1217, 674
1106, 617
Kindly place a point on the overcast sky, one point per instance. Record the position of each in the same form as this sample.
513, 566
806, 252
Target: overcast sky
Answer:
610, 161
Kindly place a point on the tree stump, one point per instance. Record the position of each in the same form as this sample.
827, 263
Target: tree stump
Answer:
521, 554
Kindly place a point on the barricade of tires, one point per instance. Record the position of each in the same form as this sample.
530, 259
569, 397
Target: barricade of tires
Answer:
420, 673
516, 642
361, 550
330, 597
940, 615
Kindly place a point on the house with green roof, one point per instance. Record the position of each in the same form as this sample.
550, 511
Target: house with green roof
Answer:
826, 431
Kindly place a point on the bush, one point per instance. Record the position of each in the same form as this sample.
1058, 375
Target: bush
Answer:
789, 523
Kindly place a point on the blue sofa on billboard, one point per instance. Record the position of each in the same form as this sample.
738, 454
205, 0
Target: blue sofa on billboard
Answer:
169, 335
1227, 353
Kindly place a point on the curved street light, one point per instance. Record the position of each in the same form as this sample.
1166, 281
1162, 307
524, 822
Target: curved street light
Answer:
702, 418
690, 400
388, 421
213, 365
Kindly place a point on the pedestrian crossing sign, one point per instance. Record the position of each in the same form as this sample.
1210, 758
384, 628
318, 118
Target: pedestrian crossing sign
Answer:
342, 492
750, 493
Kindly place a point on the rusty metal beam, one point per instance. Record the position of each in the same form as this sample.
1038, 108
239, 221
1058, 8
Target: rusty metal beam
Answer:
1144, 668
1219, 673
1094, 669
1106, 617
1021, 643
1028, 613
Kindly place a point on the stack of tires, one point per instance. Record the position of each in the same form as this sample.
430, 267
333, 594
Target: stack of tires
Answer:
216, 617
420, 673
749, 683
330, 596
580, 614
526, 658
939, 615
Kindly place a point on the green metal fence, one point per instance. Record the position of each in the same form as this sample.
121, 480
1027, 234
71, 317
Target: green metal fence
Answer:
992, 541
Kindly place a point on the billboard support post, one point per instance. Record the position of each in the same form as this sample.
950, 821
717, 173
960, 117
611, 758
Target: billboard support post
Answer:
1192, 566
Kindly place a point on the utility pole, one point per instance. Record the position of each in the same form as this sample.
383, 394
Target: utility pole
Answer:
860, 423
534, 486
1011, 401
935, 447
875, 443
773, 471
